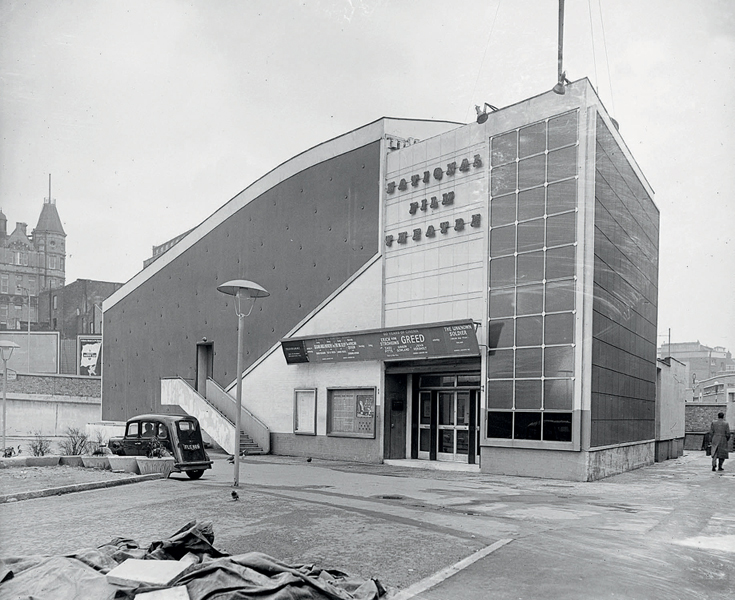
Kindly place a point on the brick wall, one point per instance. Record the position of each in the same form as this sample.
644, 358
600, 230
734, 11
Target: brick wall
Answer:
57, 385
698, 417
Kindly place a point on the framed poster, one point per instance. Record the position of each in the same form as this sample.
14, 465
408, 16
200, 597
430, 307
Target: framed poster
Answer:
351, 412
89, 355
304, 412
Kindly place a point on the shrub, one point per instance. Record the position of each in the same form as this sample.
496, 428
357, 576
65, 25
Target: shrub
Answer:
39, 445
75, 442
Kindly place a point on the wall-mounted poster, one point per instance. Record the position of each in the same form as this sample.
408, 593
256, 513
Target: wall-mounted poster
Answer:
89, 355
351, 412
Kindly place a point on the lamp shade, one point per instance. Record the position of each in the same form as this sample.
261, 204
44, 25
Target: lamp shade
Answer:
6, 348
250, 289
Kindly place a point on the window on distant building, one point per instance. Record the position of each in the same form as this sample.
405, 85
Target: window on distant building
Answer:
3, 284
32, 285
55, 301
51, 262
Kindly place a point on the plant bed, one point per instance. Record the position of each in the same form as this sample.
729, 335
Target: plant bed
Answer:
163, 465
125, 464
96, 462
74, 460
43, 461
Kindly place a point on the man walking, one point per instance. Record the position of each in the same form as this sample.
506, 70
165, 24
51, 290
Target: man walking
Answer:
720, 433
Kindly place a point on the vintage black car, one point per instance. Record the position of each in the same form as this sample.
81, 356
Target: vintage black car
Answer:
180, 436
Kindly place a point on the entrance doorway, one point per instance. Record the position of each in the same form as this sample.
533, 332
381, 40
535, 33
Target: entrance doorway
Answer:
204, 366
447, 418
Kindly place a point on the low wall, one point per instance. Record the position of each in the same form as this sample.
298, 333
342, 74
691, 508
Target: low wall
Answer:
698, 417
571, 466
328, 447
48, 405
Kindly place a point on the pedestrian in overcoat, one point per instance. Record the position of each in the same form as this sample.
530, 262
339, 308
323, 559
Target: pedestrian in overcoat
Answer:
720, 434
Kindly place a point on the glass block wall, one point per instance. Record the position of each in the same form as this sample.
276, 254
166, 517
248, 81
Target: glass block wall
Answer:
625, 298
533, 217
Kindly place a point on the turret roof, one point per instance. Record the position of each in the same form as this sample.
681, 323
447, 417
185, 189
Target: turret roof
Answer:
49, 219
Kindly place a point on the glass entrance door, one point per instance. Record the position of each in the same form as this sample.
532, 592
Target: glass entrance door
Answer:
453, 442
448, 424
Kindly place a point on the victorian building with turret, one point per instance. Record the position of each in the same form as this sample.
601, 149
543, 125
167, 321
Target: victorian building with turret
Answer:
30, 263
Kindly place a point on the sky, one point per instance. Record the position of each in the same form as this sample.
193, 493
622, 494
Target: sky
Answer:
151, 114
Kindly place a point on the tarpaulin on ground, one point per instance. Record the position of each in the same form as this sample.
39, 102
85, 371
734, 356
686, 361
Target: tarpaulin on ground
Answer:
216, 575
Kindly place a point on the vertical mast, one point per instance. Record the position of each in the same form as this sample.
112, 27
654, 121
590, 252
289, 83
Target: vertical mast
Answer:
561, 78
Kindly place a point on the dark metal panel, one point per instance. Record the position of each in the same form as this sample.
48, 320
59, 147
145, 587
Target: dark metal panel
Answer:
300, 240
625, 301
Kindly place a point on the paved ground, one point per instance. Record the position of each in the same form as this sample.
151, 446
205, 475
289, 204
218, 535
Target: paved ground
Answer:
665, 531
14, 480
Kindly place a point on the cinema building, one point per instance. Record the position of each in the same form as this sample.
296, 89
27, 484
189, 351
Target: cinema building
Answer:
480, 293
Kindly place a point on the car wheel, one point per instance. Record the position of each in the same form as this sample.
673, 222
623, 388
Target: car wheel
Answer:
195, 474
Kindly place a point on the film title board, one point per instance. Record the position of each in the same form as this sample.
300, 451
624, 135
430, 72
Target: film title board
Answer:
455, 338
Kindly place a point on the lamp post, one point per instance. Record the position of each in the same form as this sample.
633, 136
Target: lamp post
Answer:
6, 348
241, 289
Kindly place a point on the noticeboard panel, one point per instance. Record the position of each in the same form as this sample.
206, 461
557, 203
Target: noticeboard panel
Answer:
440, 340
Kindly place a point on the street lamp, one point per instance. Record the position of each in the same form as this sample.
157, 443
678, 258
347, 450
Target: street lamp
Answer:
241, 290
6, 348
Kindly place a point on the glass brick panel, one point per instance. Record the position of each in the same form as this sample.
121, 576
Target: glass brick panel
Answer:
531, 172
500, 425
501, 334
528, 362
500, 364
527, 426
530, 299
530, 267
560, 262
502, 271
531, 235
561, 197
502, 241
558, 394
528, 394
562, 130
531, 203
559, 328
500, 394
562, 164
559, 361
532, 139
504, 149
503, 180
560, 295
560, 229
558, 427
503, 210
528, 331
502, 303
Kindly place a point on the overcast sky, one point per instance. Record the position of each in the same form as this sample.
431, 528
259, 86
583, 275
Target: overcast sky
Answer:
152, 114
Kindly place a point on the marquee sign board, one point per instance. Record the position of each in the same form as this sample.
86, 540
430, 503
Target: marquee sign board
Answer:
438, 340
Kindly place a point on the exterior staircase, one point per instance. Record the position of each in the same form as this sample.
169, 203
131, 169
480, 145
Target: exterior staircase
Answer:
248, 446
216, 415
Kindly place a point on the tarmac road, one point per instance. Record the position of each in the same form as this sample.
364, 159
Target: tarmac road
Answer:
665, 531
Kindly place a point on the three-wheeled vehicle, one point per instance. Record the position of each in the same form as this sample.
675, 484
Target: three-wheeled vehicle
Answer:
180, 436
